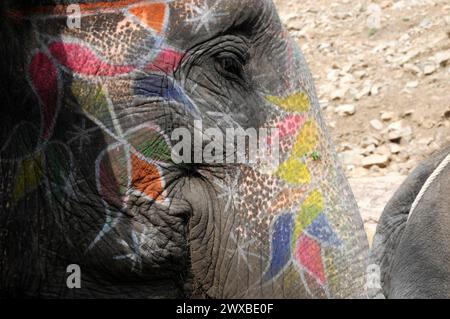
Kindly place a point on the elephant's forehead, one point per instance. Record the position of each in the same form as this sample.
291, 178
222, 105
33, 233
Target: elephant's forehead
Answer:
185, 16
125, 30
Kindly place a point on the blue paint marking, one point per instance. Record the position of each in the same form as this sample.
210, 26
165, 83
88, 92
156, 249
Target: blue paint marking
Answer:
283, 229
323, 232
157, 85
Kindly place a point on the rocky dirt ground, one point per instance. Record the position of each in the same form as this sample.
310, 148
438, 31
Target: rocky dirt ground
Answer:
382, 72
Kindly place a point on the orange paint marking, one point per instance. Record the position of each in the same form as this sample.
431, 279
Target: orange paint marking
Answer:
85, 8
152, 15
146, 179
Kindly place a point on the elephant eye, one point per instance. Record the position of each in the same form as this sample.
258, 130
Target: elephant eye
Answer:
230, 66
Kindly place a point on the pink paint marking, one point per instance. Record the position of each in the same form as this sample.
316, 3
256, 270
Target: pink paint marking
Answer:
288, 127
83, 60
307, 253
44, 77
167, 62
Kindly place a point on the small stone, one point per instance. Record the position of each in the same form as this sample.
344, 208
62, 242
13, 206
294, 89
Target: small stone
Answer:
403, 157
369, 140
364, 92
346, 82
408, 113
375, 160
396, 132
345, 110
426, 23
333, 76
374, 90
323, 104
387, 116
412, 68
345, 147
429, 68
383, 150
323, 46
394, 148
338, 94
347, 67
442, 58
368, 150
412, 84
360, 74
376, 124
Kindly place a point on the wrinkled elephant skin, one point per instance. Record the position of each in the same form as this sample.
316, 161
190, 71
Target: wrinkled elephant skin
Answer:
88, 170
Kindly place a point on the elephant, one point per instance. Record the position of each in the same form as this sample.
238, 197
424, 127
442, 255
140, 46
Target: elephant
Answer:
93, 177
411, 242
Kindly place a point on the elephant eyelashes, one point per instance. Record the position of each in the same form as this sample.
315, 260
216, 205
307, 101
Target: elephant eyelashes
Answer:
231, 67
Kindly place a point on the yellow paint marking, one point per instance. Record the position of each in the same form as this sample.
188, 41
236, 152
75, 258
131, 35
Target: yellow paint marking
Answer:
298, 102
307, 140
29, 177
294, 172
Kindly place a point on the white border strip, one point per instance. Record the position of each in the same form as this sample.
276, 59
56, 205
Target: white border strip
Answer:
428, 183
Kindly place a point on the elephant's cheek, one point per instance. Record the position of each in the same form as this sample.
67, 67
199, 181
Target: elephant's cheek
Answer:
232, 252
213, 260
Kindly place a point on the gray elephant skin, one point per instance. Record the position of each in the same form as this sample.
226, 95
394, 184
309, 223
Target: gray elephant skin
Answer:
93, 94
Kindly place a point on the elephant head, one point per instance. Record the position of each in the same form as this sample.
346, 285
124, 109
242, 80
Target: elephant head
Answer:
93, 173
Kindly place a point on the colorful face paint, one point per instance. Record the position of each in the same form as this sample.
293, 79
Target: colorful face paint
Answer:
126, 73
118, 43
297, 238
44, 79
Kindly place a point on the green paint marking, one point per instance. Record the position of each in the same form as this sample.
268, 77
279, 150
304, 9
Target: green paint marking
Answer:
92, 100
153, 147
316, 155
311, 208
